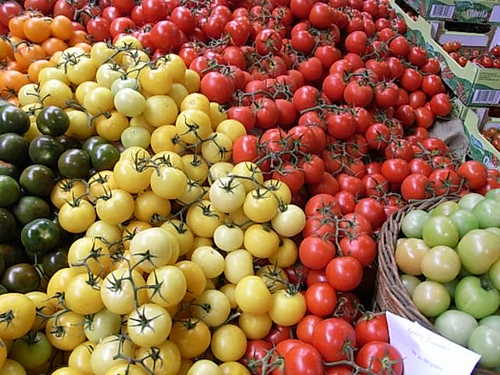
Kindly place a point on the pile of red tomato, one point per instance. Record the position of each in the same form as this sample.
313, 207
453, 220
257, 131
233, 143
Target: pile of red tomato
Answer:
337, 104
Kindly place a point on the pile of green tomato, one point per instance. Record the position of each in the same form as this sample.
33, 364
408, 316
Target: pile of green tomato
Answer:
29, 172
450, 264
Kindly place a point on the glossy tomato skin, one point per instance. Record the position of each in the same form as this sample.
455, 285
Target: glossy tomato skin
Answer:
321, 299
331, 336
306, 327
344, 273
474, 173
372, 327
278, 334
380, 357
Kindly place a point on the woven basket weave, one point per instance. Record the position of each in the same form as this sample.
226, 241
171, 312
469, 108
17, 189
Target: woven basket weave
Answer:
391, 294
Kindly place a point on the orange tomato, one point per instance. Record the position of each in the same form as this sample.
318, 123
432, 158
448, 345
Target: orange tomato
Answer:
16, 26
6, 50
52, 45
25, 54
37, 29
34, 69
78, 37
62, 28
85, 46
12, 81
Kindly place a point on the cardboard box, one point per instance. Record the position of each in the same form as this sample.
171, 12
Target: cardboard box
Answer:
479, 148
473, 85
471, 11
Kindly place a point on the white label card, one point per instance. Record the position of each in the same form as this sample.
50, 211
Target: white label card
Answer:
427, 353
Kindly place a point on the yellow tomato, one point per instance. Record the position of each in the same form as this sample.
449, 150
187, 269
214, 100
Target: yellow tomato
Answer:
287, 308
260, 205
28, 94
117, 207
55, 92
174, 65
287, 254
210, 260
248, 170
204, 367
233, 368
212, 307
80, 126
65, 331
192, 81
42, 304
46, 74
218, 170
108, 73
76, 216
118, 291
228, 237
160, 110
67, 190
168, 182
83, 294
183, 234
151, 208
196, 280
57, 285
149, 325
193, 125
255, 326
165, 138
19, 315
153, 248
252, 295
83, 70
111, 127
178, 92
217, 148
229, 343
79, 359
203, 218
196, 101
289, 220
104, 355
261, 241
98, 101
217, 114
165, 359
101, 53
83, 89
195, 167
191, 336
12, 367
231, 128
167, 286
126, 369
228, 290
239, 264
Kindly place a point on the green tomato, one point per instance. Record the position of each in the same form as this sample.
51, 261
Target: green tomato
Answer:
494, 274
441, 263
92, 142
13, 120
32, 350
10, 191
38, 180
7, 225
129, 102
40, 236
68, 143
30, 208
478, 250
431, 298
440, 230
456, 326
52, 121
485, 341
13, 149
464, 220
413, 222
487, 212
451, 286
54, 261
8, 169
494, 230
21, 278
122, 83
444, 209
493, 194
104, 156
101, 325
74, 163
477, 297
136, 136
45, 150
409, 254
410, 282
469, 201
492, 321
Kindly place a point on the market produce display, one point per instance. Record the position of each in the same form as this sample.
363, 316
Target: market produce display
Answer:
455, 249
488, 59
192, 187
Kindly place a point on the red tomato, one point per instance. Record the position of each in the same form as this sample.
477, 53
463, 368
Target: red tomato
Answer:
395, 170
475, 174
341, 126
346, 201
331, 336
313, 167
165, 34
381, 358
217, 87
304, 138
415, 186
420, 166
257, 352
98, 28
315, 252
372, 327
315, 276
424, 117
344, 273
311, 69
268, 41
278, 334
334, 86
399, 46
245, 148
290, 175
306, 327
444, 181
327, 185
328, 55
303, 359
386, 94
362, 247
322, 204
356, 42
417, 56
11, 9
243, 114
287, 112
411, 80
321, 299
440, 104
378, 136
432, 85
357, 94
376, 185
355, 224
371, 209
184, 19
267, 113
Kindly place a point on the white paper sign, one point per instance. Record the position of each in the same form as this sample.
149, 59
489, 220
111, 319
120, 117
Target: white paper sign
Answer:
427, 353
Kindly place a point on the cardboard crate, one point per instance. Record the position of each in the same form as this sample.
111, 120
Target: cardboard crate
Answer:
479, 147
473, 85
471, 11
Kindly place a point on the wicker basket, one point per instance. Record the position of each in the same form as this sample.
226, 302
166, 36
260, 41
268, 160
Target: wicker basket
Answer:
391, 294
